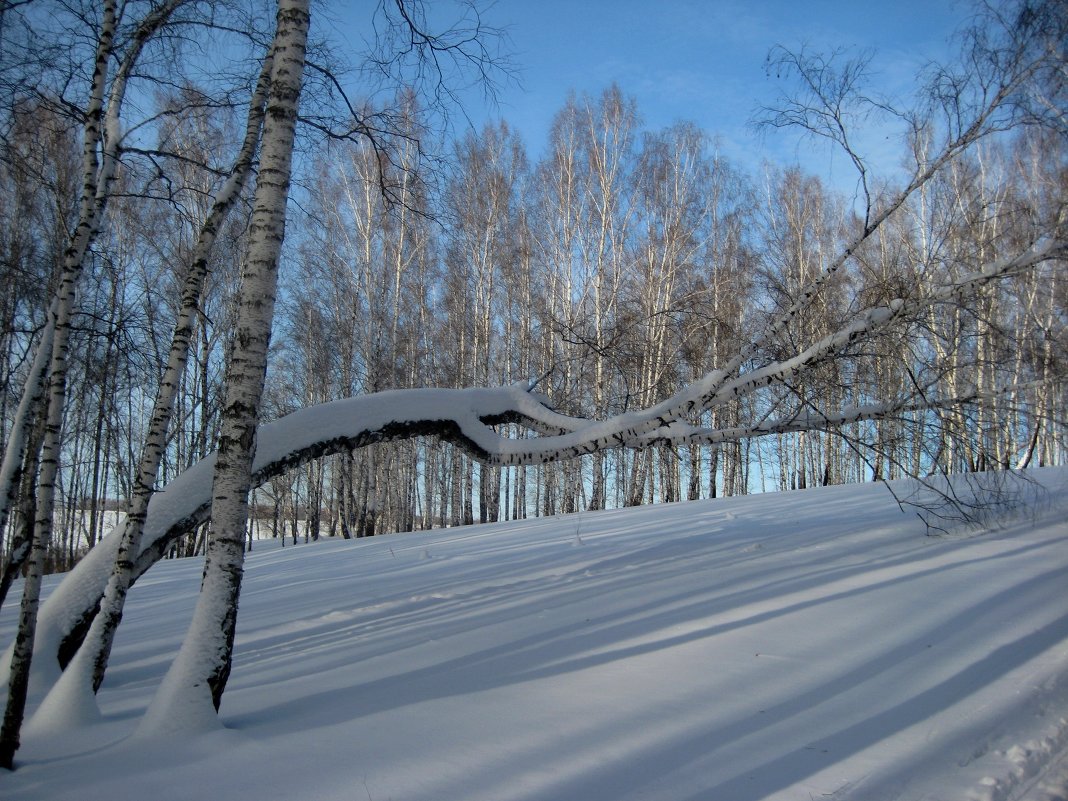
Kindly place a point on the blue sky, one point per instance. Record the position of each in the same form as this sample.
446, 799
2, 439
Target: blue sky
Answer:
703, 61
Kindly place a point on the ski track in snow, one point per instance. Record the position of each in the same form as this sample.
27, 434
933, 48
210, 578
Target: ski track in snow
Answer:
794, 646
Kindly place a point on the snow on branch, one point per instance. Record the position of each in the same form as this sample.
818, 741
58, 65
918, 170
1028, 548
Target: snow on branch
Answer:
470, 418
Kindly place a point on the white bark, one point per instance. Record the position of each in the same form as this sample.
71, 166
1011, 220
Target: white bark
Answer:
59, 323
100, 159
192, 689
15, 453
71, 700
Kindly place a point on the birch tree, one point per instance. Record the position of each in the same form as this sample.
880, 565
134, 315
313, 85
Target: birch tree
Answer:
101, 151
85, 673
193, 687
675, 206
40, 166
793, 346
100, 156
482, 201
606, 136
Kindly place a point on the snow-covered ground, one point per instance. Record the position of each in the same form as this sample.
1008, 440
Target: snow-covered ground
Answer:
806, 645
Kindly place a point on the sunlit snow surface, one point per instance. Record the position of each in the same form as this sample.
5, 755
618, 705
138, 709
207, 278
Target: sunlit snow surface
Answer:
805, 645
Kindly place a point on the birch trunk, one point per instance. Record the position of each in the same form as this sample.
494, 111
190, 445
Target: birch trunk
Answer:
33, 393
100, 160
56, 346
192, 689
71, 697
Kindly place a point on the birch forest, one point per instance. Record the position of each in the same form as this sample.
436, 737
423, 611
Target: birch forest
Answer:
362, 316
610, 267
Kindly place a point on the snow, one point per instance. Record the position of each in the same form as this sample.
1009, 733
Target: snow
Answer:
794, 646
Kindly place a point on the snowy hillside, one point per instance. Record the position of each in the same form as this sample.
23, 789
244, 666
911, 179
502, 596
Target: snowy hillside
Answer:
807, 645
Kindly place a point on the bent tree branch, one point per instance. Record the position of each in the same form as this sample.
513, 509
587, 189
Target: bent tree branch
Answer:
470, 419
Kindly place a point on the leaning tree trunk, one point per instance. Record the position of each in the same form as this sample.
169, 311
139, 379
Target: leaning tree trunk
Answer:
94, 189
72, 696
192, 689
26, 511
100, 161
33, 393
